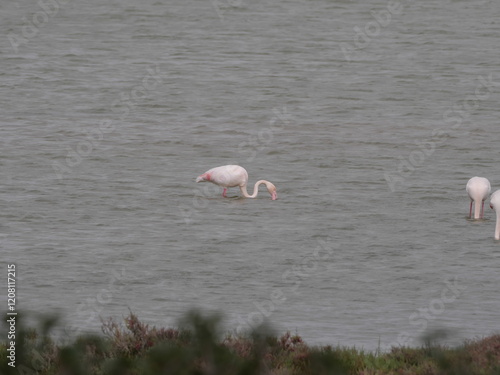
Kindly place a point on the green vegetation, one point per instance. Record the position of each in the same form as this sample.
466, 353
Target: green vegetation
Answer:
199, 348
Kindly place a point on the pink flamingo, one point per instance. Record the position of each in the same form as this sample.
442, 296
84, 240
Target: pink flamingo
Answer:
478, 189
233, 175
495, 204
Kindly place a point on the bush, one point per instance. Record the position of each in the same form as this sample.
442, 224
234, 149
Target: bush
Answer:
197, 348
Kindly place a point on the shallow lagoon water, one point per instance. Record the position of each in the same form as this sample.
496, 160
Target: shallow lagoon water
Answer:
111, 110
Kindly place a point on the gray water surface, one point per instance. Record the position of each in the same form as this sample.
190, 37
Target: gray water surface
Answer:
369, 129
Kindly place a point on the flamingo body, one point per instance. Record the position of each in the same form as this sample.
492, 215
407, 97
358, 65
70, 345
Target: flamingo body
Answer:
233, 175
495, 204
478, 189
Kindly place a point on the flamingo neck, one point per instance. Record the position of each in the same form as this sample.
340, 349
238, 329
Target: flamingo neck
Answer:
497, 228
478, 204
255, 189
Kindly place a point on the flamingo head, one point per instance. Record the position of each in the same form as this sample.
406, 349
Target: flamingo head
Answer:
204, 177
272, 190
495, 201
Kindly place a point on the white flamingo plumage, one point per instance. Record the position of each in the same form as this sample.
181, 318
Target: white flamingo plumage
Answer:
495, 205
233, 175
478, 189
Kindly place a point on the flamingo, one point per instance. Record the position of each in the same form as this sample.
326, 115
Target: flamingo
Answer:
495, 205
233, 175
478, 189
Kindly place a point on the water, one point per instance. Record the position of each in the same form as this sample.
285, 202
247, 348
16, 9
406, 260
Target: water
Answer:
110, 111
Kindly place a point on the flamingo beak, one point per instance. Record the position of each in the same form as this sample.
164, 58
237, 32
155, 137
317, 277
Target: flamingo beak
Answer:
491, 206
200, 179
274, 196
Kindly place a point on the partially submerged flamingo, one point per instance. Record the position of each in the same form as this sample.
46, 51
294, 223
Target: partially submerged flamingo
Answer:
478, 189
233, 175
495, 205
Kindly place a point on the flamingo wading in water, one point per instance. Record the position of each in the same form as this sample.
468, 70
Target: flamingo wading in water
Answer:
495, 204
478, 189
233, 175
